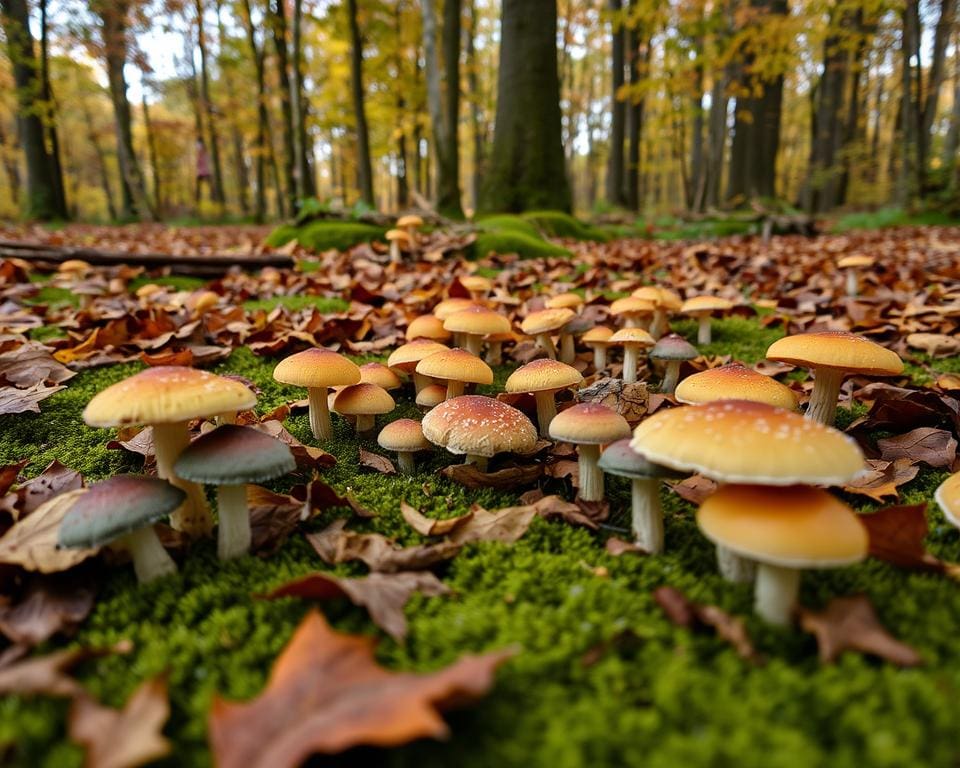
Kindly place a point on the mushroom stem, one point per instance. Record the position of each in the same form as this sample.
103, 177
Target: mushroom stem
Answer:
823, 400
395, 256
228, 417
193, 517
420, 381
568, 350
150, 560
591, 476
405, 462
546, 410
704, 334
734, 568
631, 321
670, 377
455, 388
495, 352
599, 356
365, 422
647, 514
853, 284
480, 461
233, 539
659, 325
775, 593
631, 360
473, 343
544, 340
319, 414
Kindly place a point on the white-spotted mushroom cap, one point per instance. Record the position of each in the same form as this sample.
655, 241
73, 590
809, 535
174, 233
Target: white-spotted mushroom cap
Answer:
479, 426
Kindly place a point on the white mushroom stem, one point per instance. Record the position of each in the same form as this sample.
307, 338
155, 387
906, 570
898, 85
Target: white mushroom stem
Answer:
233, 539
704, 334
591, 476
734, 568
455, 388
414, 240
544, 340
495, 352
473, 343
853, 282
420, 381
365, 422
631, 361
150, 560
479, 461
568, 350
826, 390
319, 413
659, 325
647, 514
405, 462
599, 356
193, 516
546, 410
670, 377
458, 339
775, 593
395, 256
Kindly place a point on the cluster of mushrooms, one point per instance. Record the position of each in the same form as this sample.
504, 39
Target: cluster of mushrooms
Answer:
770, 518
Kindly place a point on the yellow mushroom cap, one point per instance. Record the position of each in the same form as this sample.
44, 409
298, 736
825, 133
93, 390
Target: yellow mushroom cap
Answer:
379, 374
476, 283
481, 426
948, 497
598, 335
403, 435
738, 441
165, 395
856, 260
565, 301
477, 321
315, 368
546, 320
406, 356
73, 265
590, 424
363, 400
630, 305
792, 527
397, 234
410, 220
456, 365
632, 336
662, 297
427, 327
836, 349
735, 382
699, 304
447, 307
543, 376
431, 396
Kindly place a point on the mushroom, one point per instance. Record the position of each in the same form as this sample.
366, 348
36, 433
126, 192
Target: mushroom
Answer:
570, 300
75, 269
647, 518
830, 355
229, 457
672, 350
458, 368
431, 396
739, 441
473, 324
479, 427
122, 511
701, 308
632, 340
735, 382
632, 312
543, 323
410, 224
568, 347
495, 342
405, 436
664, 301
166, 398
365, 401
853, 265
379, 374
588, 426
598, 339
427, 327
317, 369
201, 302
785, 530
543, 379
448, 307
405, 358
477, 285
398, 240
948, 498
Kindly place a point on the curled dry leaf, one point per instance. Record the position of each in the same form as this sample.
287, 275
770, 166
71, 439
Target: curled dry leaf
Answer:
683, 612
49, 604
882, 478
503, 479
429, 526
54, 480
307, 456
14, 400
47, 675
377, 462
32, 542
342, 699
897, 536
321, 498
935, 447
273, 517
335, 545
695, 488
617, 547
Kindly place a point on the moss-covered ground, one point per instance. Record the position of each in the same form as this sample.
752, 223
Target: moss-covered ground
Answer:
660, 698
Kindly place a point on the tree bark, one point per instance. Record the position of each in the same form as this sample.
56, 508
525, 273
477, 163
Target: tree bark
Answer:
278, 29
638, 54
618, 110
152, 151
102, 159
49, 114
448, 155
403, 186
935, 80
10, 165
432, 72
951, 143
909, 118
256, 53
697, 170
301, 110
473, 87
213, 139
526, 170
236, 135
364, 166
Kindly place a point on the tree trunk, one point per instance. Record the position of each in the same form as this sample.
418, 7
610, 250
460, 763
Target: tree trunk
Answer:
618, 110
102, 160
909, 47
526, 170
10, 165
697, 170
49, 115
301, 110
448, 155
432, 71
935, 79
152, 151
473, 88
638, 56
260, 149
364, 166
403, 187
951, 143
278, 29
213, 139
236, 135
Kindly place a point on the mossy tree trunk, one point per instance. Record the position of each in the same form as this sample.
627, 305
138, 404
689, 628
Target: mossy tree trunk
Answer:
364, 166
618, 109
526, 170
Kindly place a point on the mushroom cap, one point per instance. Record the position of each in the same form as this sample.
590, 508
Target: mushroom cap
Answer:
662, 297
164, 395
234, 455
447, 307
948, 498
480, 426
620, 459
410, 220
379, 374
427, 327
397, 234
404, 435
315, 368
636, 337
406, 356
673, 347
476, 282
597, 335
363, 400
707, 304
735, 382
477, 321
578, 325
73, 265
630, 305
564, 301
456, 365
739, 441
589, 424
543, 376
793, 527
546, 320
109, 509
431, 396
201, 301
856, 260
836, 349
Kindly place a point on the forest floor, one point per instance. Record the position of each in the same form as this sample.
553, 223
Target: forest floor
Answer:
601, 677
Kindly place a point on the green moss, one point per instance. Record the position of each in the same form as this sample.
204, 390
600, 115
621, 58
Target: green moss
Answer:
324, 304
743, 338
560, 224
325, 235
504, 222
506, 241
892, 217
177, 282
46, 332
282, 235
55, 296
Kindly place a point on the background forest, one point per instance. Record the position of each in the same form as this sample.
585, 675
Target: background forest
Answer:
171, 109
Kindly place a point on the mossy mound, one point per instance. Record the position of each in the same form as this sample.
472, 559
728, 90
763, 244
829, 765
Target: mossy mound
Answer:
560, 224
525, 246
325, 304
325, 235
506, 222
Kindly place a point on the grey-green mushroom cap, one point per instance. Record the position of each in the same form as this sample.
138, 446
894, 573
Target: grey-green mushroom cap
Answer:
115, 507
620, 459
673, 347
234, 455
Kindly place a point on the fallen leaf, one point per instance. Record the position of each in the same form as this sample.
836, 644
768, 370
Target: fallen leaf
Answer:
377, 462
182, 357
882, 478
30, 364
50, 604
322, 498
14, 400
850, 623
683, 612
273, 517
47, 675
336, 545
505, 525
934, 344
10, 473
557, 508
32, 542
54, 480
306, 455
897, 536
617, 547
694, 489
503, 479
430, 526
935, 447
341, 699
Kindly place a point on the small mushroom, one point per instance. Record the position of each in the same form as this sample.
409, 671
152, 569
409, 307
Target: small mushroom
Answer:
431, 396
121, 511
588, 426
458, 368
379, 374
735, 382
701, 308
405, 358
633, 312
664, 302
448, 307
672, 350
317, 369
570, 300
598, 339
410, 224
365, 402
568, 333
229, 457
948, 499
785, 531
495, 342
543, 379
632, 340
405, 436
427, 327
477, 285
398, 240
543, 323
473, 324
854, 265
